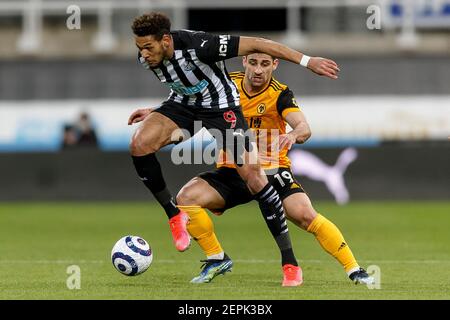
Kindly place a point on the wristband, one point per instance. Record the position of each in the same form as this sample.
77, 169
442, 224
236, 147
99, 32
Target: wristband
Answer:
305, 60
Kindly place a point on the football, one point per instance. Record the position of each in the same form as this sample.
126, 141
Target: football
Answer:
131, 255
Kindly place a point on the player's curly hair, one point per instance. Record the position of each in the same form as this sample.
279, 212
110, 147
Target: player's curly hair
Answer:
151, 24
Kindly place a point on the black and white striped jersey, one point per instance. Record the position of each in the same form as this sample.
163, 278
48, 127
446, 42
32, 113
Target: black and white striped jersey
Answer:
196, 74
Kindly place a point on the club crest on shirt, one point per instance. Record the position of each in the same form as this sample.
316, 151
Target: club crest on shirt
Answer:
188, 66
261, 108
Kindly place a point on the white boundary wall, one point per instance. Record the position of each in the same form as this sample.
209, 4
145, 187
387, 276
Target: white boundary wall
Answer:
38, 125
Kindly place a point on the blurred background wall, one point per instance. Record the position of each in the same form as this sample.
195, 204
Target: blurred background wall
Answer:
69, 79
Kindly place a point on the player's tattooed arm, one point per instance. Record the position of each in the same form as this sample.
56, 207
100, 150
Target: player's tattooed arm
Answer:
139, 115
318, 65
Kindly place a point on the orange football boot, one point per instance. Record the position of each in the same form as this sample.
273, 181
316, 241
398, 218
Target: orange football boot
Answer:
293, 276
181, 237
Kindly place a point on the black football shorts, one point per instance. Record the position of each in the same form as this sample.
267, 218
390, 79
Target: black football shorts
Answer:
217, 120
228, 183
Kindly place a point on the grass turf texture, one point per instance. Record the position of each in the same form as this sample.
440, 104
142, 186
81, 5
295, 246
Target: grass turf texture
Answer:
38, 241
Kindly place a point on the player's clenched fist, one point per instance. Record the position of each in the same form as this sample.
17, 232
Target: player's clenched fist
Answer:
323, 67
139, 115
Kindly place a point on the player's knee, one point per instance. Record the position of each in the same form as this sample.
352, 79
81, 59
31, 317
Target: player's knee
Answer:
302, 215
134, 146
308, 215
140, 146
187, 197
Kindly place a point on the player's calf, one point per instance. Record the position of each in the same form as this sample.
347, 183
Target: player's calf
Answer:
154, 133
201, 228
273, 213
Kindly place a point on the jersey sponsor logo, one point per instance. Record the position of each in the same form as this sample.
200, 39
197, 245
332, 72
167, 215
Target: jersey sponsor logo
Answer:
187, 91
255, 122
261, 108
223, 45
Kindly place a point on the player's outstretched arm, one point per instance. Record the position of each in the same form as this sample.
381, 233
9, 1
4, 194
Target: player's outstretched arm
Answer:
318, 65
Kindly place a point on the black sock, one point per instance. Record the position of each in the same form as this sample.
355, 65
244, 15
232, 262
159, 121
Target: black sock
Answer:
149, 171
287, 257
273, 212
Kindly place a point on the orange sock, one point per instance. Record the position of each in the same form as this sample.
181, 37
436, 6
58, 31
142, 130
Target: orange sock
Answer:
201, 228
333, 242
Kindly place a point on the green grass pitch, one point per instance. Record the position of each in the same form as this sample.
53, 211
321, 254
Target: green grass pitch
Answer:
409, 241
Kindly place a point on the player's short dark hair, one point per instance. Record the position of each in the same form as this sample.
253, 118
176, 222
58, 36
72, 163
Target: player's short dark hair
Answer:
273, 58
154, 24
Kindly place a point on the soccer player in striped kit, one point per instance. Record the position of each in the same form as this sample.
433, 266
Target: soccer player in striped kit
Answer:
192, 65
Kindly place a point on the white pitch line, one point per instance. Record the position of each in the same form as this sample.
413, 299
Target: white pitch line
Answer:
250, 261
51, 261
322, 261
